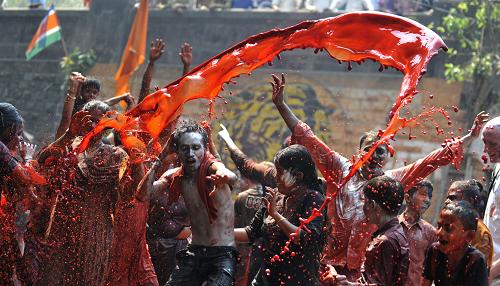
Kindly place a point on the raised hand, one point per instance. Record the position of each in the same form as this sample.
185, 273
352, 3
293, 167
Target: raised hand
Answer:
224, 135
278, 89
186, 54
27, 150
481, 118
75, 82
270, 199
81, 123
156, 50
129, 99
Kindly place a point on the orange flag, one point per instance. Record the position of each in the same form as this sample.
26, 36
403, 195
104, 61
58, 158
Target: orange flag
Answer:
135, 50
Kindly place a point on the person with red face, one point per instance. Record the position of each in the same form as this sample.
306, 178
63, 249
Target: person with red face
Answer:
491, 140
470, 191
349, 231
452, 260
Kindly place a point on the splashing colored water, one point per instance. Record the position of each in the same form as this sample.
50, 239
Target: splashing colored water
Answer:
391, 40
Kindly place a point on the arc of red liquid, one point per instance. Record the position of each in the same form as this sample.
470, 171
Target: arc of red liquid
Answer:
391, 40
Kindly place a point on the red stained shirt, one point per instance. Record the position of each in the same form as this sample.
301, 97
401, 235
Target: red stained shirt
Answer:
349, 233
421, 235
387, 256
130, 260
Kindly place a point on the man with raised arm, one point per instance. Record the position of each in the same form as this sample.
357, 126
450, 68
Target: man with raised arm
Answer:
204, 184
349, 232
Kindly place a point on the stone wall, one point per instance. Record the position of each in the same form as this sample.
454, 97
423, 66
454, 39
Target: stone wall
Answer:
339, 105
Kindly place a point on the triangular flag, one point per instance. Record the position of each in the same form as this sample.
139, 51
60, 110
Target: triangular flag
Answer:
135, 50
48, 32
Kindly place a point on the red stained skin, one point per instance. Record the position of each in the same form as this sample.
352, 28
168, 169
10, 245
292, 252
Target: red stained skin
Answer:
391, 40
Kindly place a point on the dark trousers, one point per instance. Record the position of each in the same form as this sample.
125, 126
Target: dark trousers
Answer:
215, 265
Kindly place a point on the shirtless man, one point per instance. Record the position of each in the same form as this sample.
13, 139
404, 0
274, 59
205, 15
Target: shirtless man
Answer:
204, 184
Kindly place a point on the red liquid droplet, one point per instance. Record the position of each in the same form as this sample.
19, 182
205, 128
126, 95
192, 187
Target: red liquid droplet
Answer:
484, 158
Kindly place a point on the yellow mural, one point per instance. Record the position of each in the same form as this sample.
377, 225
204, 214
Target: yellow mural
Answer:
258, 129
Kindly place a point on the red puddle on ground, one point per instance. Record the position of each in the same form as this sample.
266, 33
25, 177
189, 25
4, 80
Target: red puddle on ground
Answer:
391, 40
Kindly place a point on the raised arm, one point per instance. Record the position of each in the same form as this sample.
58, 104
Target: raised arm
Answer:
278, 98
452, 152
328, 162
186, 55
156, 50
75, 82
127, 97
148, 187
211, 144
262, 173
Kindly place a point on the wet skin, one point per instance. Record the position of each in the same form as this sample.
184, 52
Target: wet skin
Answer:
452, 237
221, 231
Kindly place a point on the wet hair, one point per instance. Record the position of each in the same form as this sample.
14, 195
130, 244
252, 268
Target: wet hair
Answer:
10, 121
471, 191
422, 184
96, 105
296, 158
187, 127
91, 83
9, 116
464, 212
370, 136
386, 192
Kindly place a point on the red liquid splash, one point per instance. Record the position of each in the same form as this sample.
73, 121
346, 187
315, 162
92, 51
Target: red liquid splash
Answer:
388, 39
391, 40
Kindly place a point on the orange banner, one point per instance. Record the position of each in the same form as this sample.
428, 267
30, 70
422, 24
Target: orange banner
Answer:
135, 50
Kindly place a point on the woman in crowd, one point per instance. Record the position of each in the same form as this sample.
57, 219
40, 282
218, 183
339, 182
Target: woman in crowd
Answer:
82, 227
298, 193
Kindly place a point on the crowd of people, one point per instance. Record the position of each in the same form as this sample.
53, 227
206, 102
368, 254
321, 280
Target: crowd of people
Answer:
107, 216
401, 7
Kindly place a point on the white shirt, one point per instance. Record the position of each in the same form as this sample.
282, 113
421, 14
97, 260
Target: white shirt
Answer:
492, 212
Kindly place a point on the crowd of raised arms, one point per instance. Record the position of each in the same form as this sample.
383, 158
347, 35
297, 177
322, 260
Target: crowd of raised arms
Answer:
106, 216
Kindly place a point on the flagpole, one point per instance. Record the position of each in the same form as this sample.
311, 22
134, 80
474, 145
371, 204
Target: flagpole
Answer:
64, 46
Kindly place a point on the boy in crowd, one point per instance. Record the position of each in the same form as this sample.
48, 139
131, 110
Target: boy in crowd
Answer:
387, 254
421, 234
470, 191
452, 260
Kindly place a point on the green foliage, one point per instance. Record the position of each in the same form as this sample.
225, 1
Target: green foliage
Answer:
78, 61
471, 28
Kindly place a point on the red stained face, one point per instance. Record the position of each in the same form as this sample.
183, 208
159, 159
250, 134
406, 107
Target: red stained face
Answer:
491, 139
420, 201
378, 159
191, 151
451, 233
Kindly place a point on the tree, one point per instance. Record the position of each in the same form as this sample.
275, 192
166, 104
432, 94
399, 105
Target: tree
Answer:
471, 30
